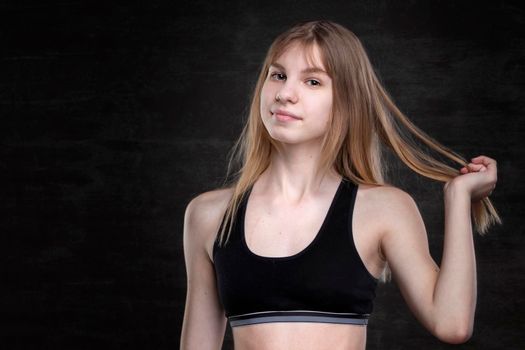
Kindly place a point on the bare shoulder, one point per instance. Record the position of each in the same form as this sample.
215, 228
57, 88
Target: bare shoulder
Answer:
205, 207
203, 216
386, 199
388, 207
398, 220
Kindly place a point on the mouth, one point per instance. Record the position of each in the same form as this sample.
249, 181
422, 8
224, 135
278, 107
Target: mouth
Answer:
285, 115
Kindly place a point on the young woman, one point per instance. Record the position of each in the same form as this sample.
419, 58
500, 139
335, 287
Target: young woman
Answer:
291, 252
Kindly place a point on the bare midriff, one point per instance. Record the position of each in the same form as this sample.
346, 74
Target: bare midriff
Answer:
299, 336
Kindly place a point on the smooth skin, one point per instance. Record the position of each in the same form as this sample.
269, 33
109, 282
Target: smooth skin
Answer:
442, 299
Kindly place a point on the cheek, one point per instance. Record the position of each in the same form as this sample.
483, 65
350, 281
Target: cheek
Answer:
265, 93
323, 110
264, 109
269, 87
323, 106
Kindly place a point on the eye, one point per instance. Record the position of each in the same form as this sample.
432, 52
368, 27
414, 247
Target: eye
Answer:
313, 82
278, 76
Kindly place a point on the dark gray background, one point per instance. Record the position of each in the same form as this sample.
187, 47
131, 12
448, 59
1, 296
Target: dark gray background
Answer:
115, 116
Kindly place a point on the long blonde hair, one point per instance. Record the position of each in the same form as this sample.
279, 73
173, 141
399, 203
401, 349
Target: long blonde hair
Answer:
363, 116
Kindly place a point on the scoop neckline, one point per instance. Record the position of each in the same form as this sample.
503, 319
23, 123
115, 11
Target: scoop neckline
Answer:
308, 247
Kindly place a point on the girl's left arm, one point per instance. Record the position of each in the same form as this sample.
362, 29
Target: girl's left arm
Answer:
442, 298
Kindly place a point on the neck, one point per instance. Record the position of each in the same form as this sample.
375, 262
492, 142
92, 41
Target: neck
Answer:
292, 174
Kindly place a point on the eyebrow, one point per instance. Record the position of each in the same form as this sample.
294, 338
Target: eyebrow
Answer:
307, 70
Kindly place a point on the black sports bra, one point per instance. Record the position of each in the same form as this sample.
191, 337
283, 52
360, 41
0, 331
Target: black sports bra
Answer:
325, 282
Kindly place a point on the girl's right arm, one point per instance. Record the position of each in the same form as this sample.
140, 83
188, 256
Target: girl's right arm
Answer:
204, 321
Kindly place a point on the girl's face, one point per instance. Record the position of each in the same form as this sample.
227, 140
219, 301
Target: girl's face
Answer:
296, 98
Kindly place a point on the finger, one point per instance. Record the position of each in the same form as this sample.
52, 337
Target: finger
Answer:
484, 160
476, 167
488, 162
471, 167
480, 157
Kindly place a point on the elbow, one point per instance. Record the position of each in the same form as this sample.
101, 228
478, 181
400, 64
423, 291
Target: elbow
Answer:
457, 334
457, 337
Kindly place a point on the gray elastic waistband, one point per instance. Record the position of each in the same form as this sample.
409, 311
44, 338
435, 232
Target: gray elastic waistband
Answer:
298, 316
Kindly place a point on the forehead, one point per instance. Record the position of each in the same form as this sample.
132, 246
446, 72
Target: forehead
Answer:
300, 53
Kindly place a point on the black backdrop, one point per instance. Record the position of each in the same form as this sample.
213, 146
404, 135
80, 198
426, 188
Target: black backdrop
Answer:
115, 116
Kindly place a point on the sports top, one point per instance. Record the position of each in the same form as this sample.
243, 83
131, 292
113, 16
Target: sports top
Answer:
326, 282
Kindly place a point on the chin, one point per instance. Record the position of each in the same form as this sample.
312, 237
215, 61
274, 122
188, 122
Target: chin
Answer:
290, 138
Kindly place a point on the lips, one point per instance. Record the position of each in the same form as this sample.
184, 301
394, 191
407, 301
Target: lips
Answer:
286, 113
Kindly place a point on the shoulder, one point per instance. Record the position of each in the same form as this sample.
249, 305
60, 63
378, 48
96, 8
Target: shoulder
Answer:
386, 199
392, 207
205, 206
203, 215
392, 214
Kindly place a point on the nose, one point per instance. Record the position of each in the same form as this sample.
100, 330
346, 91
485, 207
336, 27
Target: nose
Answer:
286, 93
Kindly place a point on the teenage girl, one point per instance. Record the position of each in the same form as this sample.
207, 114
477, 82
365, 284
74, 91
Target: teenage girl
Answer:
291, 252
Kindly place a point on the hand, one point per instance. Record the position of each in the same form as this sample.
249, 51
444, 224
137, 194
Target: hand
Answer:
478, 178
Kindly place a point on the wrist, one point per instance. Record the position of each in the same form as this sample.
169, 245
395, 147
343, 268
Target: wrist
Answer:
455, 192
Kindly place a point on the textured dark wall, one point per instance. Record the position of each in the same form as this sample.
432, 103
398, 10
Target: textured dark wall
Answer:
115, 116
